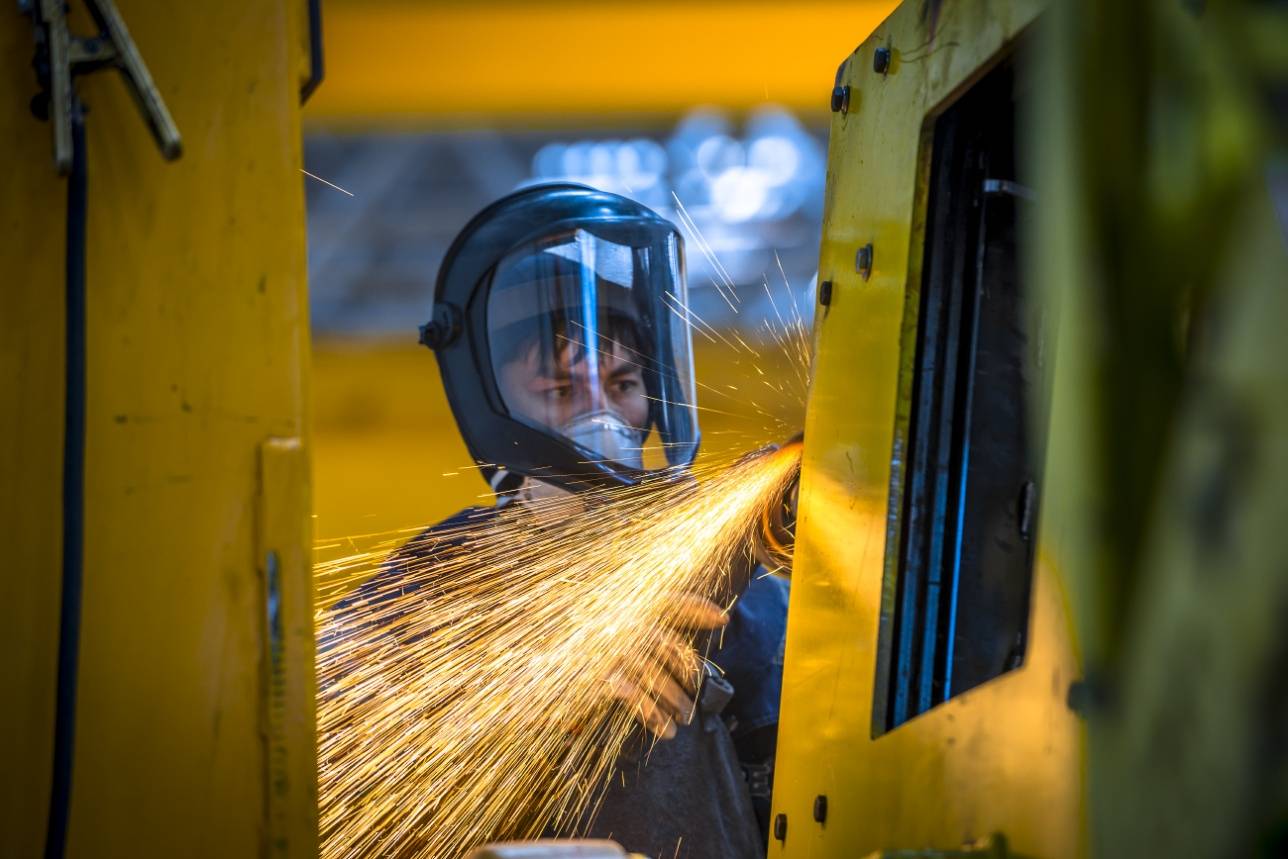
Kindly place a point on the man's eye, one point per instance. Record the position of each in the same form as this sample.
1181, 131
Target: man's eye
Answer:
560, 392
625, 386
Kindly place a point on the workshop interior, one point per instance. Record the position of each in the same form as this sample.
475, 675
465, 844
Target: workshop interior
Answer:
995, 289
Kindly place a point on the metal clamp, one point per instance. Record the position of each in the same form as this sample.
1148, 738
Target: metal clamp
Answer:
60, 56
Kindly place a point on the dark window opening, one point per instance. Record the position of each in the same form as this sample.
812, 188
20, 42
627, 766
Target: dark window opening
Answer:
965, 498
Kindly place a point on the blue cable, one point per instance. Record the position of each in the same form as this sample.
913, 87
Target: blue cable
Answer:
69, 619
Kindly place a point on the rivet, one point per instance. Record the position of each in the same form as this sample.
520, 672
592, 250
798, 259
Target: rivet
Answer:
820, 808
881, 61
863, 261
825, 293
780, 827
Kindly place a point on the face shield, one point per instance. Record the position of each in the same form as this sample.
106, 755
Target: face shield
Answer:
587, 344
559, 327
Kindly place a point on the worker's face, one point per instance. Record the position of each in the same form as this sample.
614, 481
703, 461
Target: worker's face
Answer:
552, 389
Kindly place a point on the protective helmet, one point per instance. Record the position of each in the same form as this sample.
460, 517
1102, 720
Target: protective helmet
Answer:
560, 327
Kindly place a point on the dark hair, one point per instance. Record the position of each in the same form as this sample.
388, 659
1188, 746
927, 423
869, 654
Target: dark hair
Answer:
555, 333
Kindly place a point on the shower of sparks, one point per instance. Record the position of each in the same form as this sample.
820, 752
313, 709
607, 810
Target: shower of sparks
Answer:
468, 698
325, 182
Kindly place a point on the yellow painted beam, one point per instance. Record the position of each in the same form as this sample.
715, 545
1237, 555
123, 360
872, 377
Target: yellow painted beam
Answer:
579, 61
385, 461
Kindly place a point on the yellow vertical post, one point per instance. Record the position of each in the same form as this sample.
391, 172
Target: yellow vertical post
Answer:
192, 735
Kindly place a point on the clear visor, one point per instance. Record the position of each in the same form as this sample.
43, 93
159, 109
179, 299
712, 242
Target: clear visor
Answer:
588, 344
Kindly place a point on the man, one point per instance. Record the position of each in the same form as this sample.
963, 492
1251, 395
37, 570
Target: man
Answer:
560, 335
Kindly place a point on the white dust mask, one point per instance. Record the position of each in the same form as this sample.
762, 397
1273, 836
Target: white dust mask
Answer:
608, 437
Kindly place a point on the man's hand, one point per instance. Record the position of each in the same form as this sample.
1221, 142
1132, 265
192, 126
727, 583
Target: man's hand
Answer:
660, 689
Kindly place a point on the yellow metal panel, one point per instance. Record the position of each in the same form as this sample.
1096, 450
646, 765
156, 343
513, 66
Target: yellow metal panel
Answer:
589, 61
1005, 756
31, 440
198, 344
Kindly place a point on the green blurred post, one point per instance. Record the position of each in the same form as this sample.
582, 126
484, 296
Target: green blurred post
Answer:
1159, 142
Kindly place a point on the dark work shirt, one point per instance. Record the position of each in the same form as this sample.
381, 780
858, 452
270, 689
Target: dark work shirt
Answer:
690, 792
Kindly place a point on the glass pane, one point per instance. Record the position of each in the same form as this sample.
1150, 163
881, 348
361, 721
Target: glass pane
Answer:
966, 494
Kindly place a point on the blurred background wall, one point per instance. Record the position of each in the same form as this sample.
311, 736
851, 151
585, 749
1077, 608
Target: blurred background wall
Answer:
713, 113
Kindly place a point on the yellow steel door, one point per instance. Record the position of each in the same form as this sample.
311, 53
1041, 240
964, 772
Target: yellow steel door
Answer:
1004, 756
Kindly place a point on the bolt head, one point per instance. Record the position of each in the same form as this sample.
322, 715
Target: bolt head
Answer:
780, 827
863, 261
881, 61
825, 292
840, 99
820, 808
